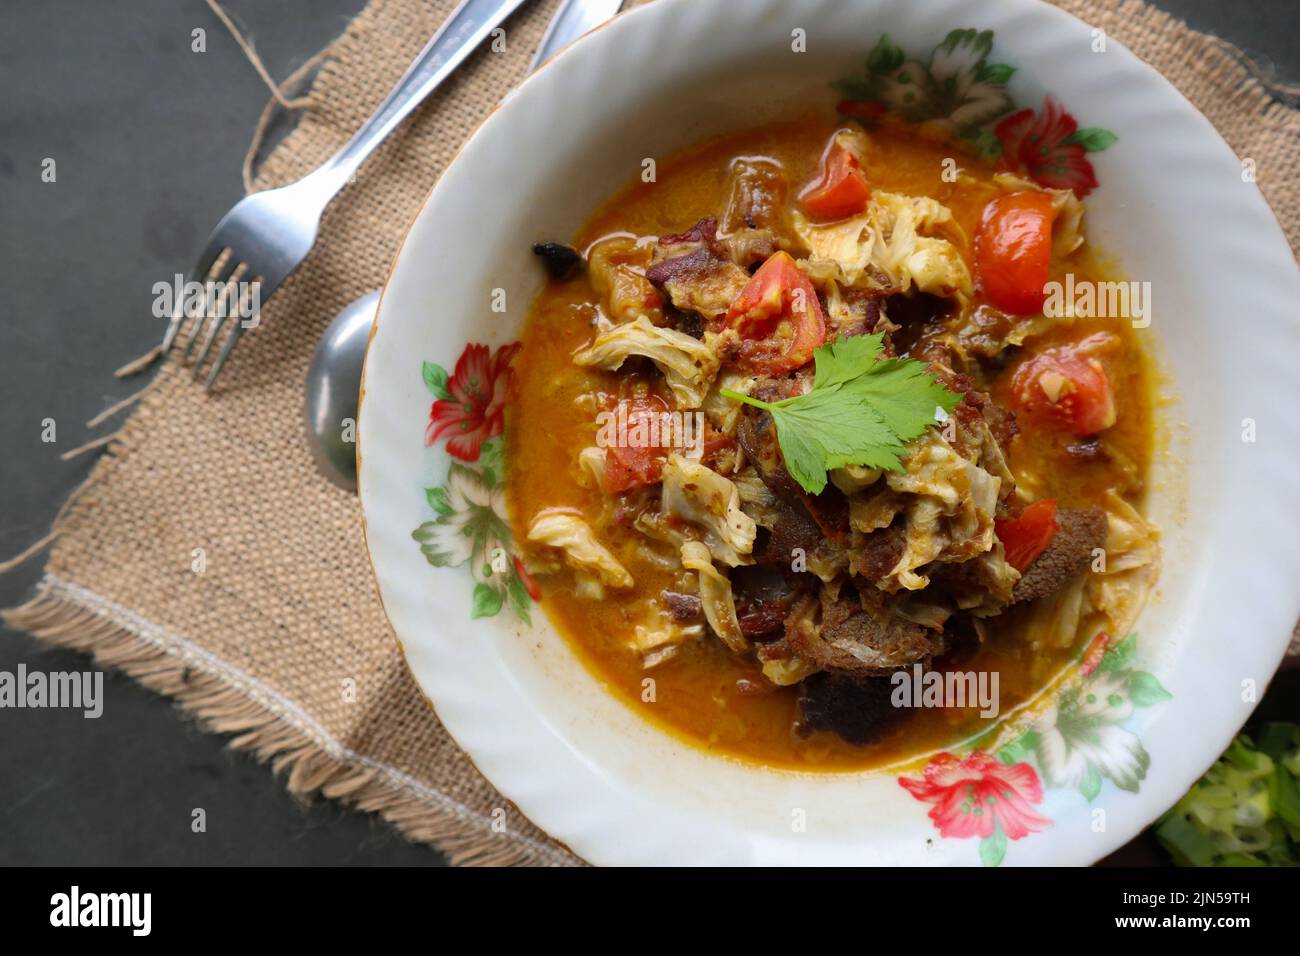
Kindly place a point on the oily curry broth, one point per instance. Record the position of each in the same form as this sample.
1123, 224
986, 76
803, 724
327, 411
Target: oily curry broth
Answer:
550, 422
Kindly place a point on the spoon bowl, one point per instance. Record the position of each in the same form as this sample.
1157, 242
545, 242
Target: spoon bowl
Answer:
333, 383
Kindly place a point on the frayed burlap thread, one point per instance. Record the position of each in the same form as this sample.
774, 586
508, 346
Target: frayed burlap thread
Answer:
206, 558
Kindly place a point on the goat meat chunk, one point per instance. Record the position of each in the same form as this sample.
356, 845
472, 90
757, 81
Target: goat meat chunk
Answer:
859, 711
1082, 530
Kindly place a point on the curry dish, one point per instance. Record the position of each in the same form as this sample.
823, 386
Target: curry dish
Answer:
795, 416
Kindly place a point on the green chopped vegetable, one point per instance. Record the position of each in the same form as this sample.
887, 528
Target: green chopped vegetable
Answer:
1245, 811
861, 410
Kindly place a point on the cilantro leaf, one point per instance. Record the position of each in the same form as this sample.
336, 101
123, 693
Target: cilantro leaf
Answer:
825, 430
804, 457
904, 394
861, 410
842, 361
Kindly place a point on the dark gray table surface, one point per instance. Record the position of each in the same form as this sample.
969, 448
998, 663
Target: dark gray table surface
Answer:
148, 137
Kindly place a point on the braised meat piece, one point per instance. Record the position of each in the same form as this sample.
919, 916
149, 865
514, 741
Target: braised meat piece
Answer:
858, 710
757, 437
879, 552
696, 272
683, 608
914, 315
763, 601
851, 639
795, 528
1002, 422
758, 198
756, 223
688, 323
1082, 530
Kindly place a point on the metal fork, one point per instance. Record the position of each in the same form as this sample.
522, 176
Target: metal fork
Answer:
260, 241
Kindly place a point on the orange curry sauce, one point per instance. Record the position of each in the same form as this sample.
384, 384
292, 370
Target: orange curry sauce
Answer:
696, 694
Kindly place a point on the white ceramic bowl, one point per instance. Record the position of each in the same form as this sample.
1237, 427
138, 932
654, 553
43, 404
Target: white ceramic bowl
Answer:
1172, 207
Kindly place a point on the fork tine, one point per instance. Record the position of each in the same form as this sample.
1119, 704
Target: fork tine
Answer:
195, 334
226, 349
214, 327
187, 332
221, 314
231, 341
187, 335
174, 326
217, 275
201, 269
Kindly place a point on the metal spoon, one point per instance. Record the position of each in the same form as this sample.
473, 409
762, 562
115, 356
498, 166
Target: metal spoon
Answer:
333, 384
334, 378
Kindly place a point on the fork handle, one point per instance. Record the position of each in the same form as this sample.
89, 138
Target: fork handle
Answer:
467, 27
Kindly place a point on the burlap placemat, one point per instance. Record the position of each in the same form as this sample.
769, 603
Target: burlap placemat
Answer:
280, 641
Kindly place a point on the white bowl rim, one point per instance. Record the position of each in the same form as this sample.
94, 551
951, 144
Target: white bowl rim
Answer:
516, 770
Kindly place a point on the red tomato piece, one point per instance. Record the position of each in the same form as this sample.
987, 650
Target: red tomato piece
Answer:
1028, 536
529, 582
841, 190
778, 313
1063, 386
1013, 250
637, 455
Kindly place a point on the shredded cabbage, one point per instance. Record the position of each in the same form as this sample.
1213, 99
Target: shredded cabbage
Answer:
688, 364
574, 538
699, 495
715, 596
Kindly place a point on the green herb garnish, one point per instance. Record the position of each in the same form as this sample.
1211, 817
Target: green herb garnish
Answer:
861, 410
1245, 811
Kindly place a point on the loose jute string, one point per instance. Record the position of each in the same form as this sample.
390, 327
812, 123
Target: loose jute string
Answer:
247, 46
279, 96
1283, 91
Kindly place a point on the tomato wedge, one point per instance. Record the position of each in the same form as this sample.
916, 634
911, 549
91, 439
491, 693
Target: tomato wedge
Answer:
779, 316
529, 582
1013, 250
1028, 536
642, 440
841, 190
1062, 386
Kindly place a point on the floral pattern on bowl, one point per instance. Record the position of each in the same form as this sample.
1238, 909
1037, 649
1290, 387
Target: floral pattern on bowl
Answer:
959, 93
590, 772
470, 524
1076, 741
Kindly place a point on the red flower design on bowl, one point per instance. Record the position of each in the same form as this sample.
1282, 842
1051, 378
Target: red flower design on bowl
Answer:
970, 796
475, 410
1040, 144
